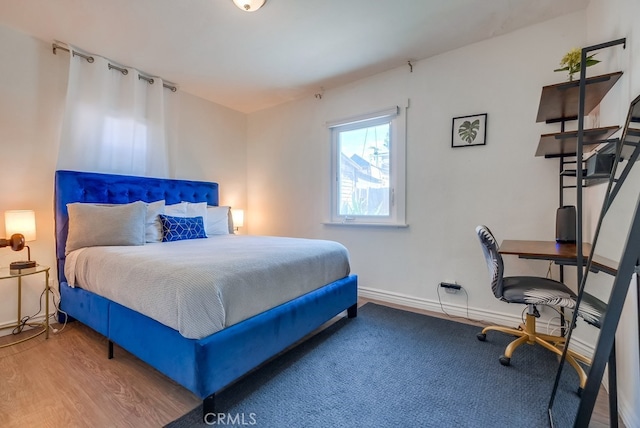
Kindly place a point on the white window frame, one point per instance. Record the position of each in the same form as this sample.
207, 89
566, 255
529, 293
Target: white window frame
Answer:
396, 116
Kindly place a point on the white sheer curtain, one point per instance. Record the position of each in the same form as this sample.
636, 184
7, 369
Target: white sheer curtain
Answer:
113, 123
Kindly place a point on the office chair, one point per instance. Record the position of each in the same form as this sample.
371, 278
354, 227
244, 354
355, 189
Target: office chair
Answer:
530, 291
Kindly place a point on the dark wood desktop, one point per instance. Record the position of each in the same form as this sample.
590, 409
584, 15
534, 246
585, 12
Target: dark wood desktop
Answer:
560, 253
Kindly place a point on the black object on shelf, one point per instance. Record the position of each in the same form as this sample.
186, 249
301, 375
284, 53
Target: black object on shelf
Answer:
566, 224
600, 164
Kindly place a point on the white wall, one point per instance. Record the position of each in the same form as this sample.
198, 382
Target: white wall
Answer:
211, 146
608, 20
31, 102
276, 162
450, 191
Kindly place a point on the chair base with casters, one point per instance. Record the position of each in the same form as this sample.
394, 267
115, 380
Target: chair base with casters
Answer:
530, 291
527, 333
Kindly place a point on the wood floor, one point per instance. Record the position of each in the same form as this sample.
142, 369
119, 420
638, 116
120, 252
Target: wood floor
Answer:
67, 381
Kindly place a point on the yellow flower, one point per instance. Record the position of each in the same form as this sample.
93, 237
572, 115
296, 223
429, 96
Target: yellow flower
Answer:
571, 62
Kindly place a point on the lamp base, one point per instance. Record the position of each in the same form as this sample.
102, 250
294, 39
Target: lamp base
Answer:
22, 265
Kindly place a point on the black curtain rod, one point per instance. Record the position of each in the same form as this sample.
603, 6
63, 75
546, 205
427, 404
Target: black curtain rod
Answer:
124, 71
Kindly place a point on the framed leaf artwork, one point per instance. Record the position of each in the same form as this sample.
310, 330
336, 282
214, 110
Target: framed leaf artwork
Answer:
469, 130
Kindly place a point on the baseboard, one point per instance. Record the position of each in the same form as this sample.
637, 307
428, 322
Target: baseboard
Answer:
628, 412
455, 310
474, 314
5, 327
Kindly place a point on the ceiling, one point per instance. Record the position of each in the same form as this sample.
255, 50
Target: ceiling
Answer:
284, 51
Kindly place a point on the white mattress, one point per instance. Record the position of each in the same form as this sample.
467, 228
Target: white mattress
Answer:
200, 286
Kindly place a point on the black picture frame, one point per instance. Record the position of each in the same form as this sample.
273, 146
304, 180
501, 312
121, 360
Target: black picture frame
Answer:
467, 131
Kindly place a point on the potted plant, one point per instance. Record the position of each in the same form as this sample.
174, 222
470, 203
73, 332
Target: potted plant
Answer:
571, 62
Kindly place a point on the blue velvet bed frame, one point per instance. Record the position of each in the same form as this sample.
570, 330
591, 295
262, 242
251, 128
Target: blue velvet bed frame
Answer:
202, 366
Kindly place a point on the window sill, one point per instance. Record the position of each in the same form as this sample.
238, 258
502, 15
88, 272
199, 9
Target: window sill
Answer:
362, 224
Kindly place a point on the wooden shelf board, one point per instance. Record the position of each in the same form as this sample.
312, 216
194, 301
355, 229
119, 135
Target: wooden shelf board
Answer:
564, 143
562, 100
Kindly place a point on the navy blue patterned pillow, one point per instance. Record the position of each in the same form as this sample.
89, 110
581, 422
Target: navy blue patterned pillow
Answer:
179, 228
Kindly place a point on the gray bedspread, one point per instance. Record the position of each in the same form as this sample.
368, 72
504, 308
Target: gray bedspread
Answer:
200, 286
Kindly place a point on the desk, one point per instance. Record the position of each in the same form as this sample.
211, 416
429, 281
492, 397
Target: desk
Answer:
565, 254
560, 253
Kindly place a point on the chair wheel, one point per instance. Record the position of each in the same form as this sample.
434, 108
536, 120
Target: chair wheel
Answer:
504, 361
481, 337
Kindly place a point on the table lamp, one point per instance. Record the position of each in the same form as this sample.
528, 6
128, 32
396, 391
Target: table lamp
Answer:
238, 219
21, 226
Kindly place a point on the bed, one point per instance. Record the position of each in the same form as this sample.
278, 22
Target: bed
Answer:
203, 365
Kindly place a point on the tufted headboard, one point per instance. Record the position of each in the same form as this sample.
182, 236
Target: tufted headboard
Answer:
75, 186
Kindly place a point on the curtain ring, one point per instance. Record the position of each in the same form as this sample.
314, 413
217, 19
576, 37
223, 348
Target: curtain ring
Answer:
120, 69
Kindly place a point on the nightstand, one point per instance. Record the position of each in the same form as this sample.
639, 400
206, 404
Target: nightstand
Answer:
6, 274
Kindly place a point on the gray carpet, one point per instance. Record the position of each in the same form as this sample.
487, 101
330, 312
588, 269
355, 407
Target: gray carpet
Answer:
392, 368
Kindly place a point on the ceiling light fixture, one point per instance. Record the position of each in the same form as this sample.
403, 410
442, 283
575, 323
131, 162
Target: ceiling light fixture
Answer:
249, 5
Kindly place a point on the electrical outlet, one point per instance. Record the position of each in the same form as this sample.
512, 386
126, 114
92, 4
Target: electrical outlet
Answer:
450, 286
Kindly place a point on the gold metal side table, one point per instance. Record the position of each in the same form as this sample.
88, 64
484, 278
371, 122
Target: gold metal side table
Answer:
6, 273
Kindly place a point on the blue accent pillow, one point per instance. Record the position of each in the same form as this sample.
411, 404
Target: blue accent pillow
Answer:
179, 228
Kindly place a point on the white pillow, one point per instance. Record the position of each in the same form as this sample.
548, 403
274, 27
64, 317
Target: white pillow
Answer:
153, 227
92, 225
197, 209
218, 221
176, 210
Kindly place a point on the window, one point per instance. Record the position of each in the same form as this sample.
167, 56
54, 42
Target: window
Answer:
368, 169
